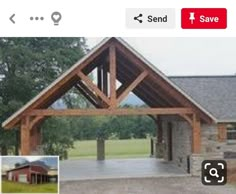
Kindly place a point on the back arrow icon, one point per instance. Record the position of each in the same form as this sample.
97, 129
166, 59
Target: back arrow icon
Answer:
11, 18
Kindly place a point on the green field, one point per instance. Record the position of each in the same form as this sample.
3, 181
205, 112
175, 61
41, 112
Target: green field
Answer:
13, 187
131, 148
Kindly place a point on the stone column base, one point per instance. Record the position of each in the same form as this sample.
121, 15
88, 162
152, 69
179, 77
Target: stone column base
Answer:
100, 149
159, 150
196, 161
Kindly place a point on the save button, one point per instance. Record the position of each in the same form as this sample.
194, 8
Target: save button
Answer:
204, 18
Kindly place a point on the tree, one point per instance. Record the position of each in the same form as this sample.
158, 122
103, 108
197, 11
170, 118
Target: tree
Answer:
27, 66
57, 136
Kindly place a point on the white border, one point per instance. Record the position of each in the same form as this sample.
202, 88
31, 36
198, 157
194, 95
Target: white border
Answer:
40, 156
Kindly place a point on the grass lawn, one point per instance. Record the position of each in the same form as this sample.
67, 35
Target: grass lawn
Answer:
131, 148
13, 187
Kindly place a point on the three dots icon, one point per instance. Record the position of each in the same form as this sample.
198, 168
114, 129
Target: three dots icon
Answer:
36, 18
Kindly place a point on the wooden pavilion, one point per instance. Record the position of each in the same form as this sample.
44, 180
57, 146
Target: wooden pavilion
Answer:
115, 61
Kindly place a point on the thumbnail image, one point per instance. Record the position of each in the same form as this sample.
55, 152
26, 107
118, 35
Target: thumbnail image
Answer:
29, 174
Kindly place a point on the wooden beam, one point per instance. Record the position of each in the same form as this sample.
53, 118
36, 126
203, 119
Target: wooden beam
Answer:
132, 86
91, 95
87, 96
92, 86
122, 111
196, 135
25, 136
112, 59
127, 72
142, 93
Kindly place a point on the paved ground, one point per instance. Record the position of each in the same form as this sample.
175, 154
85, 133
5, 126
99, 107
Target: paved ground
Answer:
161, 185
117, 168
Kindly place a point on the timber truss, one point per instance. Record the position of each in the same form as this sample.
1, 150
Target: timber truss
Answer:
114, 62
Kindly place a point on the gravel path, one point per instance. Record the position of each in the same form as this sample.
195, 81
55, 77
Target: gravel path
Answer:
172, 185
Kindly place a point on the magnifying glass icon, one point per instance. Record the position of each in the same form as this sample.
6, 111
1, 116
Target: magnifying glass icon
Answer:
214, 172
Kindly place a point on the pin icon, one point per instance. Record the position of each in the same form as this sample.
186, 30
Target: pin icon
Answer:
56, 17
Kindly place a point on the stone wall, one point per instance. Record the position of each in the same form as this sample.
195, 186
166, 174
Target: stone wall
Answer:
211, 148
181, 143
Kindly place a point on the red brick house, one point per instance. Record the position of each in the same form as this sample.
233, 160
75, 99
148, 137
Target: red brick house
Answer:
32, 173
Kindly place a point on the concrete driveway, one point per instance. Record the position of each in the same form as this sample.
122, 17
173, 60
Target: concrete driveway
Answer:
117, 168
161, 185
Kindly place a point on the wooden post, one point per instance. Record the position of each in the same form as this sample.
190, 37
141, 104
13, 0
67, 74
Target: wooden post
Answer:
112, 57
104, 81
99, 77
222, 132
196, 135
25, 136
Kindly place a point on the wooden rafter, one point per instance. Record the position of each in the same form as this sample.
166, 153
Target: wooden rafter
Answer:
87, 96
123, 111
132, 86
112, 57
93, 87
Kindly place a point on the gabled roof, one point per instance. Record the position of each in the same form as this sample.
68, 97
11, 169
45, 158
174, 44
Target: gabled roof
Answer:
217, 94
34, 163
67, 79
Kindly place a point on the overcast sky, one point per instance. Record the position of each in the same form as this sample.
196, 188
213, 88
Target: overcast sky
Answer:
186, 56
9, 162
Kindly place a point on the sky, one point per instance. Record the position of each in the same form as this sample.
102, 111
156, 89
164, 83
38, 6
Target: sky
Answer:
186, 56
9, 162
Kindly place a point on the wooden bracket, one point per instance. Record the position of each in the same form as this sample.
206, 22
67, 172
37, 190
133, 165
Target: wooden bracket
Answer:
188, 119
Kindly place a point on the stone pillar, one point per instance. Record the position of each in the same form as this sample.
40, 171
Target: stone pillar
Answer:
100, 149
196, 161
159, 146
159, 150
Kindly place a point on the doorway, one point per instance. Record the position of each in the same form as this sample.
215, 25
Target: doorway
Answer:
169, 143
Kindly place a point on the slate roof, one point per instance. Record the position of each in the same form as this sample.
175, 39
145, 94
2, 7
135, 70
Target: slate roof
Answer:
217, 94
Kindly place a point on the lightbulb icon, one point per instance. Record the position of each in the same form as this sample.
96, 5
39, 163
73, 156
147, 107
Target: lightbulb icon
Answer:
56, 17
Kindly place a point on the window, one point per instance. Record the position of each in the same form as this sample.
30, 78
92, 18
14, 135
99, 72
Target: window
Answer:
231, 134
